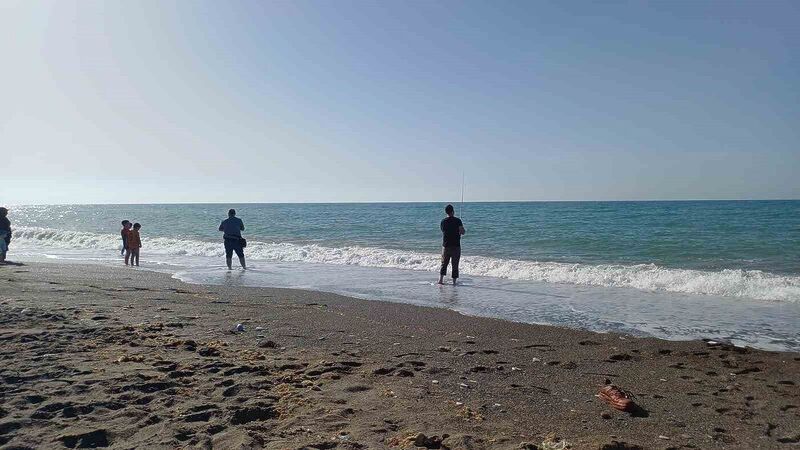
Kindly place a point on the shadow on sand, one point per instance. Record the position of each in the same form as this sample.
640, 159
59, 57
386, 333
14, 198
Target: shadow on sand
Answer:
11, 263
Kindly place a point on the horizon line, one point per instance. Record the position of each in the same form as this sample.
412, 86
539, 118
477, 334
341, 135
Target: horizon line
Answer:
416, 201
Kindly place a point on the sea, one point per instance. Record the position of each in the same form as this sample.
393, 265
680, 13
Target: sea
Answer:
721, 270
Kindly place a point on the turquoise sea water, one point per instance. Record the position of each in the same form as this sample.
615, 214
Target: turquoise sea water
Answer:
700, 253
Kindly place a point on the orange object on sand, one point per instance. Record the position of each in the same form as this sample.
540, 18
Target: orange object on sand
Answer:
616, 397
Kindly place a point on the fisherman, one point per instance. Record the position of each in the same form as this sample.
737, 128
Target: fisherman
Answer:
452, 230
232, 228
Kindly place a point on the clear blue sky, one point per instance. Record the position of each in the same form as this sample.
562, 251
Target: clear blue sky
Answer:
192, 101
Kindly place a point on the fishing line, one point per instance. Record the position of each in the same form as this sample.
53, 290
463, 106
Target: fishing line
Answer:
461, 207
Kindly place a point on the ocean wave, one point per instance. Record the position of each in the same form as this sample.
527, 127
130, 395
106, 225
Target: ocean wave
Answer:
729, 283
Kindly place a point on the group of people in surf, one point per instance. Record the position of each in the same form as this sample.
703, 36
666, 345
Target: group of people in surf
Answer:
131, 242
451, 226
231, 227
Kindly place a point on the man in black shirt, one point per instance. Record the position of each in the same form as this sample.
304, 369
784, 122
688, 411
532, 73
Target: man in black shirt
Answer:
452, 230
232, 228
5, 234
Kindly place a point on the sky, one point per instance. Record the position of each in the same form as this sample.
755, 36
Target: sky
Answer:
341, 101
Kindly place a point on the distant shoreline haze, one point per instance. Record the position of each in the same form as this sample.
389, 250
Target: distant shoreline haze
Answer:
443, 202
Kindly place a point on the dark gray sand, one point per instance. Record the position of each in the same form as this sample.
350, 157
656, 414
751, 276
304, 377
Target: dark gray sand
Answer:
125, 358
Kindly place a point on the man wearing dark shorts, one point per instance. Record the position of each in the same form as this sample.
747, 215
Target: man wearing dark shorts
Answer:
452, 230
232, 228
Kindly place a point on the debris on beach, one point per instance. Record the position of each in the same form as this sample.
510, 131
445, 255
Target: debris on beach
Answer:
620, 445
617, 398
208, 352
126, 358
420, 440
553, 442
469, 415
239, 328
417, 440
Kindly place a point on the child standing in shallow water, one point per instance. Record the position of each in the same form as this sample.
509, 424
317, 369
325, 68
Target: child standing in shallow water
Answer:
134, 244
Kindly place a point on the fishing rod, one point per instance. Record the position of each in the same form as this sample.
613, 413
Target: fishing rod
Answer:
461, 207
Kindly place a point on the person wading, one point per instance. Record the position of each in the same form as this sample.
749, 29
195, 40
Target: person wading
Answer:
232, 228
452, 230
5, 234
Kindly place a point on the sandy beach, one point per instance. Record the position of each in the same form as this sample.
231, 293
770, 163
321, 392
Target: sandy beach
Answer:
98, 356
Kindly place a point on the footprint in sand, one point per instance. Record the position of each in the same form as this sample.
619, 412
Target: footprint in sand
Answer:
201, 413
790, 439
91, 439
35, 398
357, 388
231, 391
180, 374
416, 365
255, 412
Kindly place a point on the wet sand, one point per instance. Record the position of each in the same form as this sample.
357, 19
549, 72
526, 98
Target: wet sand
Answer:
124, 358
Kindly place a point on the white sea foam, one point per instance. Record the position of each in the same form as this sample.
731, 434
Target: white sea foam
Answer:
730, 283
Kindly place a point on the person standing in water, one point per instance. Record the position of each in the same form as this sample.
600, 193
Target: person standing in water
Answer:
134, 244
5, 234
124, 232
452, 230
232, 228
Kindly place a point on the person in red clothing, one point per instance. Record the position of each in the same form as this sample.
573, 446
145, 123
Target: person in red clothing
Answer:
134, 244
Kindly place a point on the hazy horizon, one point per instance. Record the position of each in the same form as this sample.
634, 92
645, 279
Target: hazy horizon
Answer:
443, 202
317, 102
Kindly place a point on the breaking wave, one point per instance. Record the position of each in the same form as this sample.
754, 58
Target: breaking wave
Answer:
730, 283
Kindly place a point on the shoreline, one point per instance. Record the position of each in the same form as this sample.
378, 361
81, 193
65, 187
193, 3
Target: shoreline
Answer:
335, 372
749, 284
665, 315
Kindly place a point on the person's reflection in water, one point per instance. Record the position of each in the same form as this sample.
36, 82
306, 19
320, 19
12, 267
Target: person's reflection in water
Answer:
232, 279
448, 295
